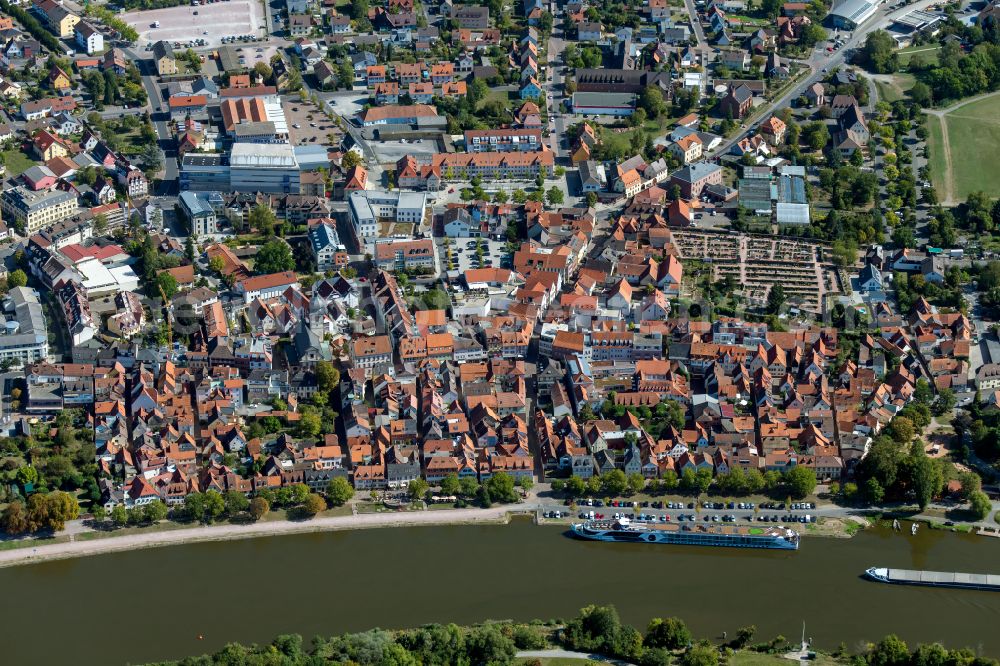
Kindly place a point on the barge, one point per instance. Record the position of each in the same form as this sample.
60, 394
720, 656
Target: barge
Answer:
965, 581
734, 536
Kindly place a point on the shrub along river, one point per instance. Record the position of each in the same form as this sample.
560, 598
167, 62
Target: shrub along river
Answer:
154, 604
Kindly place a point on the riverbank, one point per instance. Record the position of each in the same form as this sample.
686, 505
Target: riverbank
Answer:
97, 543
80, 540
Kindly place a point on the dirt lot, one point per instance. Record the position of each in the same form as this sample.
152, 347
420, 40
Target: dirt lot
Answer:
313, 128
185, 23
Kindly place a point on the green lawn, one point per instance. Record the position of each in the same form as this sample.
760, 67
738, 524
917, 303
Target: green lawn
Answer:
896, 89
928, 53
937, 160
502, 95
16, 162
973, 139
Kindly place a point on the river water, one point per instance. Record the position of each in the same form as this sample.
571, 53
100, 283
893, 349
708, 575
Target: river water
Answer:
153, 604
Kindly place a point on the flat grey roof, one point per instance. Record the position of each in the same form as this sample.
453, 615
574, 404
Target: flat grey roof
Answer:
606, 99
203, 159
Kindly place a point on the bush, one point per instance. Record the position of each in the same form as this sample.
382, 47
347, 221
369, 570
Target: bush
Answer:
527, 637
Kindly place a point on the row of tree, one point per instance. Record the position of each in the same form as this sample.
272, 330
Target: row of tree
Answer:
798, 482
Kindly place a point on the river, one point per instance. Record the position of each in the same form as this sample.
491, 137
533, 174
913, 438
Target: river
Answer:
153, 604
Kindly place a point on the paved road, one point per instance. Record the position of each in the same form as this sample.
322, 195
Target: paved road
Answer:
569, 654
699, 32
554, 91
159, 115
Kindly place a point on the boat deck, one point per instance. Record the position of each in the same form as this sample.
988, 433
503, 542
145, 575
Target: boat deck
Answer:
714, 528
943, 578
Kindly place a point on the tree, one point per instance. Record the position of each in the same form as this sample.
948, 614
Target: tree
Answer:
167, 284
874, 491
263, 70
801, 481
501, 487
901, 430
575, 486
554, 195
350, 160
345, 74
417, 488
670, 633
925, 477
236, 503
259, 508
50, 512
155, 511
971, 483
313, 504
450, 485
17, 278
701, 655
263, 219
274, 257
152, 158
14, 519
879, 52
775, 299
339, 491
215, 505
119, 516
636, 482
980, 505
816, 135
945, 402
890, 651
591, 199
770, 7
100, 224
651, 101
311, 424
920, 93
614, 482
744, 635
477, 91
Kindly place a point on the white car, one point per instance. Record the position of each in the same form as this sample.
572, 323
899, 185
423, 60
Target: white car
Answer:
297, 126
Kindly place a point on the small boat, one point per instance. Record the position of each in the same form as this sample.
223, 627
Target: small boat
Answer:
895, 524
913, 529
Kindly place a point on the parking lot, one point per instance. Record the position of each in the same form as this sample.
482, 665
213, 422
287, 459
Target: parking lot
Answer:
346, 103
253, 53
464, 257
307, 125
705, 512
210, 22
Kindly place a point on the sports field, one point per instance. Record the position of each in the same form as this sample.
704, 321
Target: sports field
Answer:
964, 140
